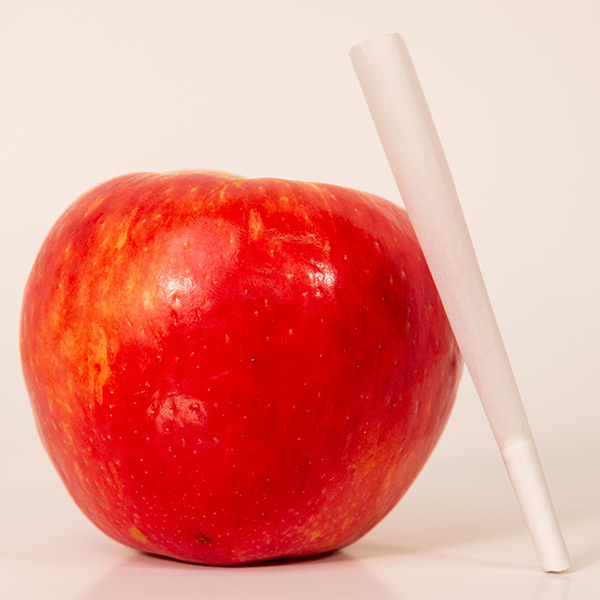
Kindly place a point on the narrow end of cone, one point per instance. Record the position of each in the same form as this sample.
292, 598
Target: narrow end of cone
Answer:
527, 477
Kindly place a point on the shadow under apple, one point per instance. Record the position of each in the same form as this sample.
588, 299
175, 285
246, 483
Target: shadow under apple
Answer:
149, 577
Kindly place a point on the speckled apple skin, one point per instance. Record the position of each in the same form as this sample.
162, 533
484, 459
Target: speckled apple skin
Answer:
228, 370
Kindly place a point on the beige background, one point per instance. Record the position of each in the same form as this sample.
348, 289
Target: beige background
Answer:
265, 88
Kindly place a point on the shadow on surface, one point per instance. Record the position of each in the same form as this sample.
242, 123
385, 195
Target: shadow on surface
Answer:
332, 576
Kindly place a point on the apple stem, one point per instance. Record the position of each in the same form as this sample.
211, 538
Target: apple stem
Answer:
413, 148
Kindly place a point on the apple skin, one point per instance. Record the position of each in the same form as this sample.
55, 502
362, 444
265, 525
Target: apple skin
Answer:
228, 370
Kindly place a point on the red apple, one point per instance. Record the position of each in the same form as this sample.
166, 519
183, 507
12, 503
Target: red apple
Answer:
227, 370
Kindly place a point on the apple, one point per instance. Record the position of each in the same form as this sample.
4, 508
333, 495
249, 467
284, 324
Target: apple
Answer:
227, 370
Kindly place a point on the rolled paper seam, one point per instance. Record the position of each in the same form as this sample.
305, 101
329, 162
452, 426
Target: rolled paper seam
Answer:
527, 477
413, 149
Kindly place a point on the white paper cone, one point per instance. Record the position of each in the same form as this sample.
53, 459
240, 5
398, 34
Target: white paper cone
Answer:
412, 146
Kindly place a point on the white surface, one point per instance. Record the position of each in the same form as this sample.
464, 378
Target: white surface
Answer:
412, 146
93, 90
